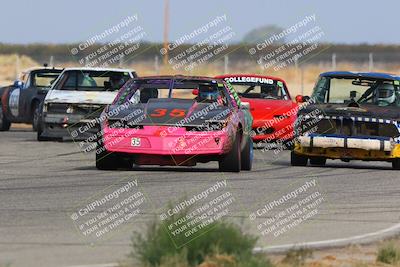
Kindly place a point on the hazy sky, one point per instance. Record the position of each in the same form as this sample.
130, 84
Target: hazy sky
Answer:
68, 21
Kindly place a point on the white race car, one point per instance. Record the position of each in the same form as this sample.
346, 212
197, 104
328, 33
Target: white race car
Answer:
76, 99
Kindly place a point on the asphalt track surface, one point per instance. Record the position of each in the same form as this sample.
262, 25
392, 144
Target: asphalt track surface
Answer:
41, 185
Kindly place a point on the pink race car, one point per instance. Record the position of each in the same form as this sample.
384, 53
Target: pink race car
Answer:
178, 121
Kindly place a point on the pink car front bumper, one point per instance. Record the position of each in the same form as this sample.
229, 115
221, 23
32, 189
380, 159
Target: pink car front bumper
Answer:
166, 140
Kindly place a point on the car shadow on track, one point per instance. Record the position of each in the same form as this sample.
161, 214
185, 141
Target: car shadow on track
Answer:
154, 169
336, 165
22, 130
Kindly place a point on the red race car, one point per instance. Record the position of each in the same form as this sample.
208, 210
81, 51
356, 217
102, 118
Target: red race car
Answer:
272, 108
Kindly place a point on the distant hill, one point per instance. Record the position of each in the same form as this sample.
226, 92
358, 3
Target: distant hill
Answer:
263, 33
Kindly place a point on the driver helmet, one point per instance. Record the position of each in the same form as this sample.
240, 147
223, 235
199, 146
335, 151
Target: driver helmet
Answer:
208, 93
86, 81
116, 82
269, 90
385, 94
148, 93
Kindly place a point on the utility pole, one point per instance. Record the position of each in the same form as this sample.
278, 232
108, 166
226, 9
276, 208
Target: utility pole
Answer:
302, 79
333, 61
121, 62
226, 63
156, 65
17, 67
166, 30
371, 61
51, 62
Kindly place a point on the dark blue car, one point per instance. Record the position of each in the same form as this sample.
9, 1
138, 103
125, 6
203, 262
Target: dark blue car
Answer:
20, 102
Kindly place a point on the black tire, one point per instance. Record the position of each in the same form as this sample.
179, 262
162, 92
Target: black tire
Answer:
39, 132
4, 123
41, 138
318, 161
298, 160
396, 164
109, 161
35, 116
231, 162
247, 155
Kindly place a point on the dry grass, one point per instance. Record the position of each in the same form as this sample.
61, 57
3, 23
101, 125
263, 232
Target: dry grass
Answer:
299, 80
10, 68
354, 255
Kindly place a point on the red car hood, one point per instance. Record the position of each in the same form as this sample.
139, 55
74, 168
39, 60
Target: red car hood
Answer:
267, 108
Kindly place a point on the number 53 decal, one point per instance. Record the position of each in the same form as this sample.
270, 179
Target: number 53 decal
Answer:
161, 112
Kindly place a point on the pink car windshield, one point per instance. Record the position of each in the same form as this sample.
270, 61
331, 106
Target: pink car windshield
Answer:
141, 91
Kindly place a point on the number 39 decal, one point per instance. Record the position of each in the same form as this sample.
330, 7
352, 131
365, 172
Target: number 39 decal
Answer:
161, 112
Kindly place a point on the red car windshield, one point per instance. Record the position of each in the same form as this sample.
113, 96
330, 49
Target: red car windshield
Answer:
262, 88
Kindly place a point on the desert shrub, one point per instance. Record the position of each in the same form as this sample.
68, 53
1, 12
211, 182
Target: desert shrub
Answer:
389, 253
154, 247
